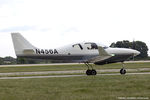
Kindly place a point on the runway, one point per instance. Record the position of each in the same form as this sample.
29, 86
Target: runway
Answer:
19, 65
56, 76
52, 64
69, 72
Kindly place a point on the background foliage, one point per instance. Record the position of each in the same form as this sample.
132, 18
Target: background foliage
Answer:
137, 45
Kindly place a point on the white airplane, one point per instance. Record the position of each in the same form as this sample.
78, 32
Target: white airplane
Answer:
87, 52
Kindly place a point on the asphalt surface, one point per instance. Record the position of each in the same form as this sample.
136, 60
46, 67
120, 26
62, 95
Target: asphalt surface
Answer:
70, 72
55, 76
18, 65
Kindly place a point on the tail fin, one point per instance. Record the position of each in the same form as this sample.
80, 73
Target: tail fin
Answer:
21, 45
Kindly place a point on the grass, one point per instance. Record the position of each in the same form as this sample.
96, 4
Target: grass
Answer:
76, 88
70, 67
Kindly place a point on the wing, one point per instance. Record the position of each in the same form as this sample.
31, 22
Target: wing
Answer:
103, 55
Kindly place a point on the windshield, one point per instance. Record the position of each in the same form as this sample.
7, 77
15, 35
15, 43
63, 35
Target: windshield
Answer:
102, 45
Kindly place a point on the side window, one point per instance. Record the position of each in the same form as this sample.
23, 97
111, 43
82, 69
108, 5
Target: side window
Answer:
92, 46
79, 45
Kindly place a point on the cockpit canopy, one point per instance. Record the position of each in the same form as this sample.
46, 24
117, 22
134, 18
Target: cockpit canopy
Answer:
89, 45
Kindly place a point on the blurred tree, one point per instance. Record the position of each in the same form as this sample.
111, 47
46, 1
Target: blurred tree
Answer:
21, 60
1, 61
137, 45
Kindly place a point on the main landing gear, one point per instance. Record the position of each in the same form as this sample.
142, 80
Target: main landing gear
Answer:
89, 71
122, 70
93, 71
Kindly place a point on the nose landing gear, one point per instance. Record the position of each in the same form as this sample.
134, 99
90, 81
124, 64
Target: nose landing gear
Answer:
122, 70
89, 71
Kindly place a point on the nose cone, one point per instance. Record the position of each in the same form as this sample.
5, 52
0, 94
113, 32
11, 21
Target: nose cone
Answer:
131, 52
123, 51
135, 52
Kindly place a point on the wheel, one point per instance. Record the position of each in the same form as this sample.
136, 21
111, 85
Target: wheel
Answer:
93, 72
122, 71
88, 72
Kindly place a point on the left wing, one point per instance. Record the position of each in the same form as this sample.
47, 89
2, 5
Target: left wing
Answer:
103, 55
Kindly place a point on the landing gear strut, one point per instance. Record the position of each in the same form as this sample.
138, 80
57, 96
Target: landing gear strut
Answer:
123, 70
89, 71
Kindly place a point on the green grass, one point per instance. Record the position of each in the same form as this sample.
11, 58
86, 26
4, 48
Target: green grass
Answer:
71, 67
76, 88
127, 65
42, 68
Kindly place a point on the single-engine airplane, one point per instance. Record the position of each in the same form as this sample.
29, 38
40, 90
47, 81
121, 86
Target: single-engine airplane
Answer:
88, 52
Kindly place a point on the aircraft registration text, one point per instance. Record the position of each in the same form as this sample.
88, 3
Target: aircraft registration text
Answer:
46, 51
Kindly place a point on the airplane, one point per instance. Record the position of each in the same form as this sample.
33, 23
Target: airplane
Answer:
85, 52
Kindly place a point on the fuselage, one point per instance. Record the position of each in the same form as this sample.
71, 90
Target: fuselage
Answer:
80, 52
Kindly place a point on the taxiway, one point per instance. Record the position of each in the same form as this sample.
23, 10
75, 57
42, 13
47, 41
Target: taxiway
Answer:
55, 76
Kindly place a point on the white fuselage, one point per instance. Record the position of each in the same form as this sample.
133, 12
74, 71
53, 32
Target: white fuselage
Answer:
80, 52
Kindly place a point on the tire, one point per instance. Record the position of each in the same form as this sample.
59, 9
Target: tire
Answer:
88, 72
122, 71
93, 72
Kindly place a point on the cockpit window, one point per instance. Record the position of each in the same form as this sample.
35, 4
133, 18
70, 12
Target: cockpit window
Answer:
92, 46
78, 45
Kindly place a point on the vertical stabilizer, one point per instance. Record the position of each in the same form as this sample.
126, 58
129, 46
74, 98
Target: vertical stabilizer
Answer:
21, 45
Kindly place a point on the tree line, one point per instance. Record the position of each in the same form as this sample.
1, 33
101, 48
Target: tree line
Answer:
137, 45
10, 60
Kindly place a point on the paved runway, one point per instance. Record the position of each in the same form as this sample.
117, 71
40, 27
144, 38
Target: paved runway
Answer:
70, 72
55, 76
19, 65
